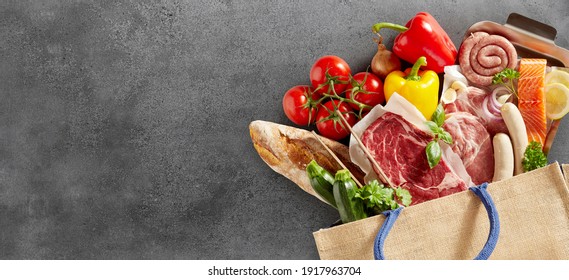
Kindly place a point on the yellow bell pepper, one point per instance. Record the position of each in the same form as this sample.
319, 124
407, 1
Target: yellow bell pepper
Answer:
420, 88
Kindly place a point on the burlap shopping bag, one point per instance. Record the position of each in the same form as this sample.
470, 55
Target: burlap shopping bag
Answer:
533, 223
566, 172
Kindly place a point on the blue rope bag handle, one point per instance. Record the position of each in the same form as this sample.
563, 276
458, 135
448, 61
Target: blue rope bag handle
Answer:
480, 191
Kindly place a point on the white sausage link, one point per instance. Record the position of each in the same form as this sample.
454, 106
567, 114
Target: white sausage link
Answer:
518, 133
503, 157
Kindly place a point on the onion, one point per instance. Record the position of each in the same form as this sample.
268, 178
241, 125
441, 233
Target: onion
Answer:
384, 61
500, 98
492, 104
491, 116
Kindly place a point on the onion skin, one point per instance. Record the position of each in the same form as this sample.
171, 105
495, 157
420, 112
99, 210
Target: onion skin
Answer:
491, 107
384, 62
487, 114
496, 97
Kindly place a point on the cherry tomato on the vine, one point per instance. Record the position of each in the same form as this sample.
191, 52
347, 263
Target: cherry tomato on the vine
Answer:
329, 123
367, 89
330, 68
299, 105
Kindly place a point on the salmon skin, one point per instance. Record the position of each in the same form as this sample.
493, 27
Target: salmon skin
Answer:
531, 98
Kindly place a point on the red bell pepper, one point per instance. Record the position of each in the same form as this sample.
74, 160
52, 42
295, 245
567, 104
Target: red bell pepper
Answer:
422, 36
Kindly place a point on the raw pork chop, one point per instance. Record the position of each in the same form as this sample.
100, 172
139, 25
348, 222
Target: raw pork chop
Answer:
472, 102
399, 148
473, 144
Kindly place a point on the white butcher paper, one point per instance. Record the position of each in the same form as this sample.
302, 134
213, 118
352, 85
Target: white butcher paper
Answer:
400, 106
453, 73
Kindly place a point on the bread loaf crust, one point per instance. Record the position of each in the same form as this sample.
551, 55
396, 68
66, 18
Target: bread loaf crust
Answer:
287, 150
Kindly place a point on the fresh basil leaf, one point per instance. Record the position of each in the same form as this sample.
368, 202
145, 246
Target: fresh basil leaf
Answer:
440, 130
439, 115
446, 137
433, 151
433, 127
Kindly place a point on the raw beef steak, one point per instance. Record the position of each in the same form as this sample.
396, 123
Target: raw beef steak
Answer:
399, 148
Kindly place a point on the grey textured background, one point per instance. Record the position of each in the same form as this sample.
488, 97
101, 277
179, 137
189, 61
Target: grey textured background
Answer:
123, 125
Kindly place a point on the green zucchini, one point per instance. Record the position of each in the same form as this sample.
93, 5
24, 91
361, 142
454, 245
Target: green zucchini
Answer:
321, 181
344, 189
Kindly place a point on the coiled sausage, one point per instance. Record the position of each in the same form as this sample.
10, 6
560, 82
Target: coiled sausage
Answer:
482, 55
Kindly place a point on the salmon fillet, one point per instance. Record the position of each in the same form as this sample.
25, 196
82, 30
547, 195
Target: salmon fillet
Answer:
531, 98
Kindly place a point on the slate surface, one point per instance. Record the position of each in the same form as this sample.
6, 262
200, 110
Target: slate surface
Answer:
123, 125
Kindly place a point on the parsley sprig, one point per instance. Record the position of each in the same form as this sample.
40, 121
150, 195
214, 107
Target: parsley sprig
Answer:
506, 77
534, 157
378, 198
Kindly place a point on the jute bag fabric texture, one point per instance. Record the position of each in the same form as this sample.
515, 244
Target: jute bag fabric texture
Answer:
533, 211
566, 172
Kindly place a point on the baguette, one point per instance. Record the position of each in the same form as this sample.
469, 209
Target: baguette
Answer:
287, 150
